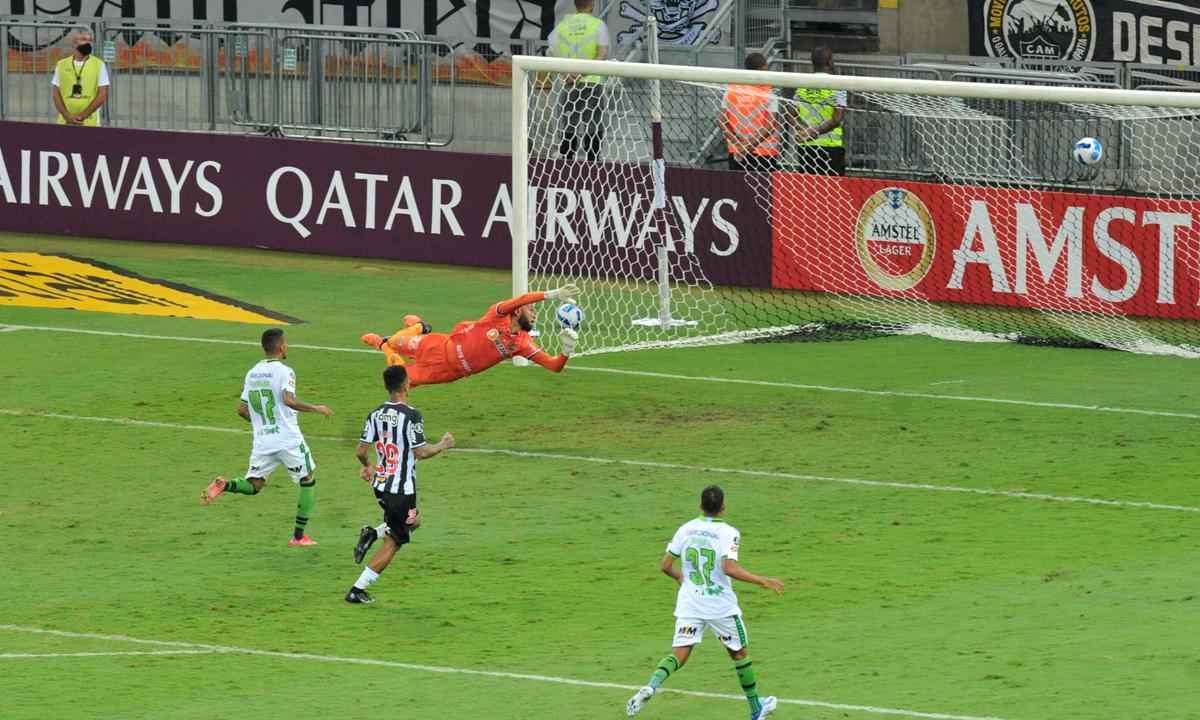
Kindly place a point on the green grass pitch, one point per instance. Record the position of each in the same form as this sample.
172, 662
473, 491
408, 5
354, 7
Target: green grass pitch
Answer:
535, 569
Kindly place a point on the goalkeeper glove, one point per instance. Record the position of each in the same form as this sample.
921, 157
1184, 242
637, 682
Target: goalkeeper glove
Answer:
568, 338
566, 292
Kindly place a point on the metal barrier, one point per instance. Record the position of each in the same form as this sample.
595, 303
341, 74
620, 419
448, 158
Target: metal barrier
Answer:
176, 79
1140, 75
392, 87
29, 50
375, 89
382, 86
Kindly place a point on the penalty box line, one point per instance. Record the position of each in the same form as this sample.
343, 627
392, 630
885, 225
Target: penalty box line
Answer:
744, 472
206, 648
674, 376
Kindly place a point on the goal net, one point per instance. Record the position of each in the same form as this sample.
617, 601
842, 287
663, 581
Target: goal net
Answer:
963, 212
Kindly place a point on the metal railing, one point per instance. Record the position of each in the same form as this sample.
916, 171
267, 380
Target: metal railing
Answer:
29, 50
375, 85
392, 87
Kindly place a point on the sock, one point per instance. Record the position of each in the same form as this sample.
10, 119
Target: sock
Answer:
666, 666
241, 487
367, 577
745, 671
304, 507
381, 529
397, 339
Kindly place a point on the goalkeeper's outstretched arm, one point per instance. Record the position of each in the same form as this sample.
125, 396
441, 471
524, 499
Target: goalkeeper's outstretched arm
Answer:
568, 338
511, 305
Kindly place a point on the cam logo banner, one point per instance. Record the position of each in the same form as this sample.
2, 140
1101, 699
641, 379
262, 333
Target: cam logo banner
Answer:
1144, 31
56, 281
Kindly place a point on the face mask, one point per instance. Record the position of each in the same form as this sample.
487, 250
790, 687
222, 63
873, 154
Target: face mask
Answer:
84, 49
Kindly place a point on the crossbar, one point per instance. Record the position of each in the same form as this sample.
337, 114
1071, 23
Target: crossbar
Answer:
904, 86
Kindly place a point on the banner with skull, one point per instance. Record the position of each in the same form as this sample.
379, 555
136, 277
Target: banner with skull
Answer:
1143, 31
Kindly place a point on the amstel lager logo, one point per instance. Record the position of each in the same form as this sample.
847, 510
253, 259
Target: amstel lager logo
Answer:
896, 239
1040, 29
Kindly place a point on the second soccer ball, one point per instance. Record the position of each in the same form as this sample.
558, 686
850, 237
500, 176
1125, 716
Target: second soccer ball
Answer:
570, 316
1088, 151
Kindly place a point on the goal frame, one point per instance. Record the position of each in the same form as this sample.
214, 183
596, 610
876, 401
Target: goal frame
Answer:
524, 66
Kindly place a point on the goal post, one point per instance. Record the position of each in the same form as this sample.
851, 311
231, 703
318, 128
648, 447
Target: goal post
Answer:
963, 213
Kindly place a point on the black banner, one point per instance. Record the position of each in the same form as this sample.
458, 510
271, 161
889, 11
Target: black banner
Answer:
1144, 31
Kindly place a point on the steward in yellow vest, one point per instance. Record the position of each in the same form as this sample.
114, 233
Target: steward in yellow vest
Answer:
80, 83
581, 36
819, 115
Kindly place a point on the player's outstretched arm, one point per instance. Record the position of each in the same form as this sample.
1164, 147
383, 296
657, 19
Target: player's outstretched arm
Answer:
299, 405
737, 572
668, 568
427, 451
568, 338
511, 305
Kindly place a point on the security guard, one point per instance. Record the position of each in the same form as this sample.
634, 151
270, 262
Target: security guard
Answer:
582, 36
750, 124
81, 83
819, 116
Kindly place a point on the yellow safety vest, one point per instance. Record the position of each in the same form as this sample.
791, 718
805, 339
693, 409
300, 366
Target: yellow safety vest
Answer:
88, 78
748, 111
579, 38
815, 108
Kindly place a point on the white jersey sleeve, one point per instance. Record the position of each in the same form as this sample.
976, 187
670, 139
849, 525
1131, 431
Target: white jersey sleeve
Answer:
675, 547
368, 433
730, 541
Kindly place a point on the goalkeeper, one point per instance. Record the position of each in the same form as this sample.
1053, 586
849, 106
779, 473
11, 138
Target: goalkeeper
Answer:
472, 347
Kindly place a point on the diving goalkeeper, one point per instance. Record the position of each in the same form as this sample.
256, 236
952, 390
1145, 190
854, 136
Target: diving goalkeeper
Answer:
472, 347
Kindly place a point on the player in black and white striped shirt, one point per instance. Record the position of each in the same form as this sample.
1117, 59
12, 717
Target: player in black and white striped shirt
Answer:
397, 433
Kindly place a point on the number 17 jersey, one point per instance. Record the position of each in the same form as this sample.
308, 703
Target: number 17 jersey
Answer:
275, 425
706, 592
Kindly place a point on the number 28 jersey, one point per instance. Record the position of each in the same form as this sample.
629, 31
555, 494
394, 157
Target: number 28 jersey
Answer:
276, 426
706, 592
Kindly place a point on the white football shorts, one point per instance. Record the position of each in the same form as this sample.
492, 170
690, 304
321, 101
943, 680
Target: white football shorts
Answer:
298, 462
731, 631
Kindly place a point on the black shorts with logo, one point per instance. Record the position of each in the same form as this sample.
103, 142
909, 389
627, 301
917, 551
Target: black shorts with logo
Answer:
395, 514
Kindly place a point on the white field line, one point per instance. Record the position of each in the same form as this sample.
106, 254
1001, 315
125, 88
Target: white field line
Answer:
895, 393
743, 472
675, 376
139, 653
483, 673
9, 328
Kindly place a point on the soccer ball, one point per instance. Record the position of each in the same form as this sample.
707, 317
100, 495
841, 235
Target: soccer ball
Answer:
570, 316
1088, 151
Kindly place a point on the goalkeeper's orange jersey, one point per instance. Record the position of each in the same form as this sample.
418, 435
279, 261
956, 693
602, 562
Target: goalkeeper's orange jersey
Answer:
489, 340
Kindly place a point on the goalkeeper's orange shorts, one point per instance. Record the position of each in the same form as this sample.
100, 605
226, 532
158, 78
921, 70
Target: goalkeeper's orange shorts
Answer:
432, 360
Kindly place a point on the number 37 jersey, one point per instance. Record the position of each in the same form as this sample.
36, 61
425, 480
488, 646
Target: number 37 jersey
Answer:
275, 425
706, 592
